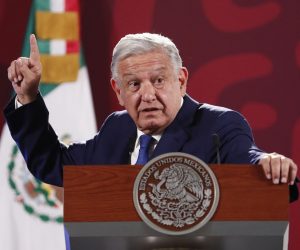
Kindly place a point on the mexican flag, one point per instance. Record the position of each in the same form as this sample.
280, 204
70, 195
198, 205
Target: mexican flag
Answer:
31, 212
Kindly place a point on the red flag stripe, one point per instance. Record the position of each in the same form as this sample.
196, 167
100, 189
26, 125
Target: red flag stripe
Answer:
71, 5
72, 47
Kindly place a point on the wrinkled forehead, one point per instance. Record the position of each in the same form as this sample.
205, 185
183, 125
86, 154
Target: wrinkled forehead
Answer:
150, 62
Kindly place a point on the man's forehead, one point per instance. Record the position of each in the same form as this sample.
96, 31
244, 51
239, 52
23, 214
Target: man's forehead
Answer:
155, 70
147, 56
150, 63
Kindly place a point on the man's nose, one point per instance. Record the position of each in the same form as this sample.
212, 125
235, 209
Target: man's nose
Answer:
147, 92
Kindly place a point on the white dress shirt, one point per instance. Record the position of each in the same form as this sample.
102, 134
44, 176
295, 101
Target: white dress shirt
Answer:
17, 103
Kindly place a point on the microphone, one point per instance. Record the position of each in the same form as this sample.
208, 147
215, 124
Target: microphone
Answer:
131, 147
216, 142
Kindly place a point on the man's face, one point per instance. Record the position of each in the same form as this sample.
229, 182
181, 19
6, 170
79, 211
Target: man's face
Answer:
150, 90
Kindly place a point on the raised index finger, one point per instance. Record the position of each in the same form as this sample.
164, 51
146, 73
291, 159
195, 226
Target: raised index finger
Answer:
34, 49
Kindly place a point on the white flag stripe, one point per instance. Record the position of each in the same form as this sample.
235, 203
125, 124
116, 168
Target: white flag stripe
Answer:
71, 108
58, 47
57, 5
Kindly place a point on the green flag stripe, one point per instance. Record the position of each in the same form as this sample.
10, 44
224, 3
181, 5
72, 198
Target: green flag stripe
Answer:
46, 88
29, 30
43, 5
81, 58
44, 46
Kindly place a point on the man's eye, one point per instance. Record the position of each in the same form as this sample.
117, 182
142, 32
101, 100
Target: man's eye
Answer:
159, 82
133, 85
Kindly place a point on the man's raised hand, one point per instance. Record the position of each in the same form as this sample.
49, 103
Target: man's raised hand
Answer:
25, 74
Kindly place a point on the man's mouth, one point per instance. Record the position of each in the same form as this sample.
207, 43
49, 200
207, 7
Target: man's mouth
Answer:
150, 109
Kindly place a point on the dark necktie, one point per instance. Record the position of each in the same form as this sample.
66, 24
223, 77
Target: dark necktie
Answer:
143, 156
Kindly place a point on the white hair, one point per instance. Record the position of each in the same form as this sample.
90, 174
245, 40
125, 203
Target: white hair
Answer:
142, 43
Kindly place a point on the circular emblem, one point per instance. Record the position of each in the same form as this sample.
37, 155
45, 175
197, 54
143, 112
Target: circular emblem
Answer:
176, 193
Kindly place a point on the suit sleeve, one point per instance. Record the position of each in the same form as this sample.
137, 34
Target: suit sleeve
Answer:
236, 140
44, 154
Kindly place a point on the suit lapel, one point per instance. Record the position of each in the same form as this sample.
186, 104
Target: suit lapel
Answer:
171, 141
178, 132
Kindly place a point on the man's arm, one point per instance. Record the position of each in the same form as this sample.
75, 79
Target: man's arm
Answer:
44, 154
36, 140
238, 146
29, 125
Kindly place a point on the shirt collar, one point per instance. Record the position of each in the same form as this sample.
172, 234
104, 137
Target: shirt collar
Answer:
139, 133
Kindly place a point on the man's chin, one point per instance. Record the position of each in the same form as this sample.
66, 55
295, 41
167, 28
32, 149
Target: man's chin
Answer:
152, 127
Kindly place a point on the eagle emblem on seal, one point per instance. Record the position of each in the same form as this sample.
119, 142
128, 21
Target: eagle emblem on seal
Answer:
176, 193
181, 184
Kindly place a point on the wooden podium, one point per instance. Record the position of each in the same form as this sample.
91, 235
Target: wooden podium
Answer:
99, 212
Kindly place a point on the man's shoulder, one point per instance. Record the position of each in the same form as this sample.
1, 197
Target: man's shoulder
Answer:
119, 115
210, 112
119, 118
221, 116
194, 112
191, 103
118, 123
210, 108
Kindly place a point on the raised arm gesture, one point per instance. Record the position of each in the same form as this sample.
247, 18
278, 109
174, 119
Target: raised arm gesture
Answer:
25, 74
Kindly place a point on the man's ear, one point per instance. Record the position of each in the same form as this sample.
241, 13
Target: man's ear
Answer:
115, 86
183, 77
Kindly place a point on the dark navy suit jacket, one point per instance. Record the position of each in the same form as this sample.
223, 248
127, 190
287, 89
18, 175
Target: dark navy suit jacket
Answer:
190, 132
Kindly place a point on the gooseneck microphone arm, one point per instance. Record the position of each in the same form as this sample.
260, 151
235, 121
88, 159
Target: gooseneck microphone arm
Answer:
216, 142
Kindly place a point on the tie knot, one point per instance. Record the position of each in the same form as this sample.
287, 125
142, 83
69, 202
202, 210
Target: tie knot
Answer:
145, 140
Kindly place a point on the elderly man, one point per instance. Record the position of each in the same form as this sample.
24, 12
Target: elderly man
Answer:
150, 82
